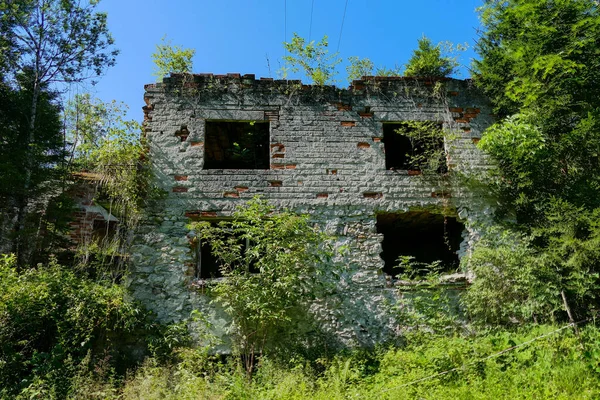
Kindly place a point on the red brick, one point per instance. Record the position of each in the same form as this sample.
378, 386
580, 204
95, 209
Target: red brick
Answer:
196, 143
180, 178
275, 183
365, 114
241, 188
277, 166
277, 147
322, 195
473, 110
179, 189
348, 123
476, 140
278, 155
462, 120
456, 109
234, 195
197, 214
343, 107
290, 166
412, 172
377, 139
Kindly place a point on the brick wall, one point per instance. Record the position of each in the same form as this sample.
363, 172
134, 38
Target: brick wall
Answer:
327, 158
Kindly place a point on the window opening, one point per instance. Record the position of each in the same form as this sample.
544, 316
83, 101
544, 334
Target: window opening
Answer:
425, 236
236, 145
207, 263
406, 148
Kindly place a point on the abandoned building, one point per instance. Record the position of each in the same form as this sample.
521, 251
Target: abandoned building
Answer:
339, 155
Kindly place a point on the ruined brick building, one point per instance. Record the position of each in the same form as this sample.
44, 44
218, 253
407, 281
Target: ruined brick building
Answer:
332, 153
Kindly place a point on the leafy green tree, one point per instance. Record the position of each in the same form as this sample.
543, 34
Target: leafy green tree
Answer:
271, 261
41, 160
169, 59
59, 41
312, 58
359, 67
428, 61
111, 148
539, 66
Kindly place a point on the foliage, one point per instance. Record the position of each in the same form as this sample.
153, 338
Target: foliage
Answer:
540, 56
50, 319
359, 67
425, 305
522, 279
62, 41
169, 59
559, 366
312, 58
111, 150
427, 153
41, 162
428, 61
271, 261
545, 74
538, 67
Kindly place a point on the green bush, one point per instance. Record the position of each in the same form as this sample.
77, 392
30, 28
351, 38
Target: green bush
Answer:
51, 320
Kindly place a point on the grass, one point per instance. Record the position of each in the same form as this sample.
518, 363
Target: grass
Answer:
562, 365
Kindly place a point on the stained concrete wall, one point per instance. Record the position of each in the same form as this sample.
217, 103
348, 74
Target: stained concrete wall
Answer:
327, 160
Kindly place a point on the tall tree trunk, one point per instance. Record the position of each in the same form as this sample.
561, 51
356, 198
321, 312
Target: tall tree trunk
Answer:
19, 227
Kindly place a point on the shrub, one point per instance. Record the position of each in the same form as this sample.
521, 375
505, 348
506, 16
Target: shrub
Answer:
50, 320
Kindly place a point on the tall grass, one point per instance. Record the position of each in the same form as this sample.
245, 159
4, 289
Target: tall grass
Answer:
560, 366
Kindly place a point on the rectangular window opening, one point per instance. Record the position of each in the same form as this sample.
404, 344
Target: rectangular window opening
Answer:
236, 145
207, 263
403, 151
425, 236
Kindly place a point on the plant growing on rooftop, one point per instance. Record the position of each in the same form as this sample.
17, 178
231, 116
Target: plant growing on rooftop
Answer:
171, 59
429, 61
312, 58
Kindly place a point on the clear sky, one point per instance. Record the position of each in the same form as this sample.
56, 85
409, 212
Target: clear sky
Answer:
246, 36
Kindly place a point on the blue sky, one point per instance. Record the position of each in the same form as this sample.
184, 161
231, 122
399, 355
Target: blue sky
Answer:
246, 36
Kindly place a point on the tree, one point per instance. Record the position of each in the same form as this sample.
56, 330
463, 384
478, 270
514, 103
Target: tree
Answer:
539, 65
43, 158
60, 42
271, 261
170, 59
428, 61
358, 68
111, 148
313, 58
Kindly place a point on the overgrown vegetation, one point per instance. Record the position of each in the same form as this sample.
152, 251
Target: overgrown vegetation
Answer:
272, 263
170, 59
71, 331
537, 67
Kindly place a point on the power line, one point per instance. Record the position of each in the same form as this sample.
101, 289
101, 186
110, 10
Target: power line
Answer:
285, 21
312, 7
342, 27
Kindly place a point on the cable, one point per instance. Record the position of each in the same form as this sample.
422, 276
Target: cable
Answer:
342, 27
285, 21
312, 7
